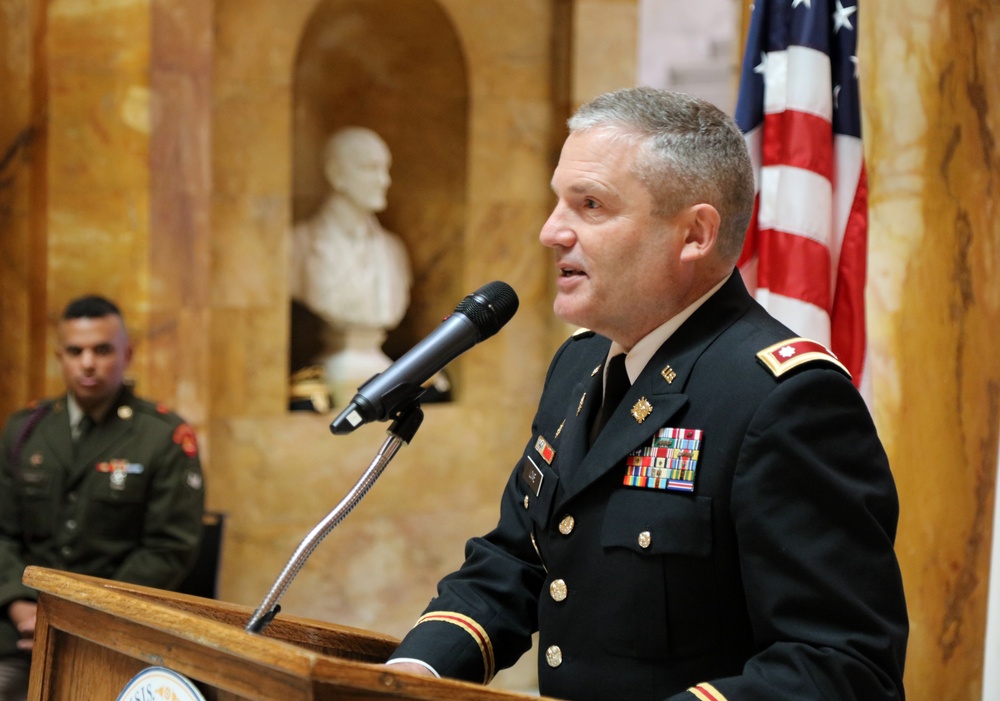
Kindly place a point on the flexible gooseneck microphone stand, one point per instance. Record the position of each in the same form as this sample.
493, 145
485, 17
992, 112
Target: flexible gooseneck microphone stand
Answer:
401, 431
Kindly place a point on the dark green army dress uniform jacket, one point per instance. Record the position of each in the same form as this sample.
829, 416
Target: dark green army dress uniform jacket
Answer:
727, 537
123, 502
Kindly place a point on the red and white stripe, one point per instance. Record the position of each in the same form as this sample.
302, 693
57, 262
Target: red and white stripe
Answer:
806, 252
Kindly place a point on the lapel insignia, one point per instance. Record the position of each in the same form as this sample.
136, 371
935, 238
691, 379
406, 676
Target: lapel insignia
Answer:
125, 412
670, 462
543, 448
559, 430
579, 407
641, 410
35, 459
668, 374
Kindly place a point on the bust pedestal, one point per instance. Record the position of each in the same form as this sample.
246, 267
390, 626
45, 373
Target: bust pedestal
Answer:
358, 357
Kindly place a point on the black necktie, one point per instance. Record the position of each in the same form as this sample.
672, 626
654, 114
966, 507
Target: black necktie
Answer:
83, 426
615, 387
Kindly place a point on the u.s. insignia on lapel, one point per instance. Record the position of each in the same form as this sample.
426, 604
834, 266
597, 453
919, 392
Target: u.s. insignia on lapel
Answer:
669, 462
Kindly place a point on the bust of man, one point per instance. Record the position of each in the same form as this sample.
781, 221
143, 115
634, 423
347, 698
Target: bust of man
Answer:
345, 268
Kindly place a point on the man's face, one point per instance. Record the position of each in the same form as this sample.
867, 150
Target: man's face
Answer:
93, 354
362, 173
616, 262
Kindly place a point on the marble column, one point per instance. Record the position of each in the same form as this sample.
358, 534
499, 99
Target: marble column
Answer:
932, 120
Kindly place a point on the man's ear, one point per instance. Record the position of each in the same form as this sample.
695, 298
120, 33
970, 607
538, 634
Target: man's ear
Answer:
701, 231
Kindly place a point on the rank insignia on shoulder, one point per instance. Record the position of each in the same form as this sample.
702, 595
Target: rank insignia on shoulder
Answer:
669, 462
791, 353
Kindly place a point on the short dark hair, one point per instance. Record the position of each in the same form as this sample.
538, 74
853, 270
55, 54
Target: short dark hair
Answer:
90, 307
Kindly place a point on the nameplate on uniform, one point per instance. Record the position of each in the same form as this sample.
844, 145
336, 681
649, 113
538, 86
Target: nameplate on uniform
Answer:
532, 475
669, 462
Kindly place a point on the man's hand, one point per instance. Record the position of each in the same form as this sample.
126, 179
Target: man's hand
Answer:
410, 668
22, 615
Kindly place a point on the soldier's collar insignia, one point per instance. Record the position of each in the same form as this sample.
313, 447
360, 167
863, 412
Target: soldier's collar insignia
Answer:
641, 410
668, 374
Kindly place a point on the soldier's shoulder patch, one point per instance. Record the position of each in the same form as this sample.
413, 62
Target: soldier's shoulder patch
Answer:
794, 352
185, 438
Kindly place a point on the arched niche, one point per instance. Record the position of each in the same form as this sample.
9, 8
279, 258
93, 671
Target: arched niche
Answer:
397, 67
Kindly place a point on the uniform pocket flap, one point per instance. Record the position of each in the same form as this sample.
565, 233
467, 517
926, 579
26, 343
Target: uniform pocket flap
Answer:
658, 523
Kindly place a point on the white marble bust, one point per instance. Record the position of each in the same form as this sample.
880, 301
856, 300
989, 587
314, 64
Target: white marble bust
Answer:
347, 269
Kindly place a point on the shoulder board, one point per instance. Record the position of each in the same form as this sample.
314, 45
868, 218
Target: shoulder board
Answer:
144, 406
793, 352
34, 405
582, 333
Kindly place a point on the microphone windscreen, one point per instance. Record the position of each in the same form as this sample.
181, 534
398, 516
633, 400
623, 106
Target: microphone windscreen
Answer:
489, 307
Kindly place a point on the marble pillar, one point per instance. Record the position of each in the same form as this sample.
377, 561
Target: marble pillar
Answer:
932, 122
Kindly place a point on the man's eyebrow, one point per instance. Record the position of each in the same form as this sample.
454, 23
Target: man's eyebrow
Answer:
577, 186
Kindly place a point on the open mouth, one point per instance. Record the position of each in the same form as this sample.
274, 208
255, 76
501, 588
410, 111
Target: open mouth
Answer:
569, 272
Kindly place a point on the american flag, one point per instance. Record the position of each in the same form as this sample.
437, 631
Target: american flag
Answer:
805, 255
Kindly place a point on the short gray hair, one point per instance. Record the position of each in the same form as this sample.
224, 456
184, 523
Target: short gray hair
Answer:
693, 153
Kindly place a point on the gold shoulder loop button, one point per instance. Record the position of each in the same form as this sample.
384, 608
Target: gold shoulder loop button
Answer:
793, 352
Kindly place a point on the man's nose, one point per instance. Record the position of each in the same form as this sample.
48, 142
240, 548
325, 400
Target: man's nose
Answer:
555, 231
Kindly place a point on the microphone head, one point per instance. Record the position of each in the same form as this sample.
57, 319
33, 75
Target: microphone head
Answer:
489, 307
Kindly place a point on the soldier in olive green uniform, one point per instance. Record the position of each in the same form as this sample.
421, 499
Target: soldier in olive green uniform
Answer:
97, 481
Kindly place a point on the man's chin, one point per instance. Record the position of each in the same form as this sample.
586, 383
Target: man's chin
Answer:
570, 313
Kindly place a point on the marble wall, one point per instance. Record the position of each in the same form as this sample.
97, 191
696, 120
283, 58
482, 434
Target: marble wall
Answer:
156, 151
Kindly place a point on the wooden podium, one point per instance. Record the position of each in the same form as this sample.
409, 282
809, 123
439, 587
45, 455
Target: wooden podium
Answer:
94, 635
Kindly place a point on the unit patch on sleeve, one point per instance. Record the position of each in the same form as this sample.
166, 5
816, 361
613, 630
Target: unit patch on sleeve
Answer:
184, 437
670, 462
789, 354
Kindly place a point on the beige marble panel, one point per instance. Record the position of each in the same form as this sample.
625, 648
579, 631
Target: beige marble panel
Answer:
932, 125
22, 157
98, 221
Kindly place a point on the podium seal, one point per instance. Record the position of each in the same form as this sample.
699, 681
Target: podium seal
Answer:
160, 684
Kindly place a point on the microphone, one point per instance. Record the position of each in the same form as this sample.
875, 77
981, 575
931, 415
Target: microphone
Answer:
477, 317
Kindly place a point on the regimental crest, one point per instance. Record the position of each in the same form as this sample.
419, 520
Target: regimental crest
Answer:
670, 462
641, 410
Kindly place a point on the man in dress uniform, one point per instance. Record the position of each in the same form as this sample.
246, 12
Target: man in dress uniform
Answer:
96, 481
703, 509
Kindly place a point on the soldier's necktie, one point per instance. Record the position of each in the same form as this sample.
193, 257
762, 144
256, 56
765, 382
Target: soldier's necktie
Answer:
82, 426
616, 385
